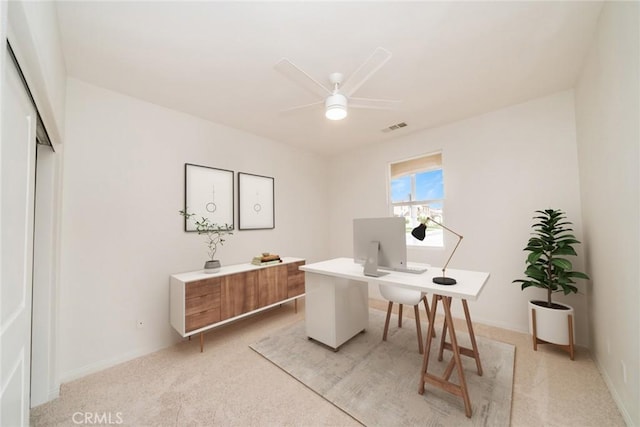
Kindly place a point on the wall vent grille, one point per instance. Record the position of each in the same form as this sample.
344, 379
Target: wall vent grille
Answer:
394, 127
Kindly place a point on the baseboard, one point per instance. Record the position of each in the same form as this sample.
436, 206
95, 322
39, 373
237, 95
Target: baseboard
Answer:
92, 368
501, 325
54, 393
616, 397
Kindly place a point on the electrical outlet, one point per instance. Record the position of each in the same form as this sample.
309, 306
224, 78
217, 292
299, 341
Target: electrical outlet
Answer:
624, 371
140, 324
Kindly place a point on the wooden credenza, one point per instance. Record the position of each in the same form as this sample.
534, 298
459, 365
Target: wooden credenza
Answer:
199, 301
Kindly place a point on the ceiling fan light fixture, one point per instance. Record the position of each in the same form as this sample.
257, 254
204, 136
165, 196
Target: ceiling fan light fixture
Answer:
336, 107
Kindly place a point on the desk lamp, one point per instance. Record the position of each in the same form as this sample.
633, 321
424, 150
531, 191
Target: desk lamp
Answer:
420, 232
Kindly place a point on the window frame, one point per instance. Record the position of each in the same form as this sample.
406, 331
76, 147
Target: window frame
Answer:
410, 204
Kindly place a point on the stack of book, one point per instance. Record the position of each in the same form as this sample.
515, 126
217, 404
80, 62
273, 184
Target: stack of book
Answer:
266, 259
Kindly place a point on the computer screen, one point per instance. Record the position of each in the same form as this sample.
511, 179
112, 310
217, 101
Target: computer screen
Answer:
390, 235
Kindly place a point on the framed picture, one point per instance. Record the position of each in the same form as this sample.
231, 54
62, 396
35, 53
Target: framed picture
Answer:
208, 193
255, 202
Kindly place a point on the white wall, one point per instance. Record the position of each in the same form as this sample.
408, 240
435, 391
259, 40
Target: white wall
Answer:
498, 169
121, 233
607, 117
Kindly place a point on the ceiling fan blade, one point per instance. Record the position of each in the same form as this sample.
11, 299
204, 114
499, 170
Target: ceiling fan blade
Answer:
379, 57
374, 104
292, 71
301, 107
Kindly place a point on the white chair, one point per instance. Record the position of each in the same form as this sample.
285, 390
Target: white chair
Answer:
404, 297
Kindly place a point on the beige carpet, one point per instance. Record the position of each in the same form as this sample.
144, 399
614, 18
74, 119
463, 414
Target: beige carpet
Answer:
376, 382
232, 385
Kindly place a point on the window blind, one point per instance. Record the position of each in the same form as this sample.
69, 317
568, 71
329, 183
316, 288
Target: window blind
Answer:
418, 164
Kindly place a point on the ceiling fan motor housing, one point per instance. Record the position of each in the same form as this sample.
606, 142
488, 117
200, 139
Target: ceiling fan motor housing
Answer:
336, 106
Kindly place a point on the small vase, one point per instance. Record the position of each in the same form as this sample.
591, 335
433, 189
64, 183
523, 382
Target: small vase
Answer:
212, 266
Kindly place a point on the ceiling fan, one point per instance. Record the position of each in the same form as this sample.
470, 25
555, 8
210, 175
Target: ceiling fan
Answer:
338, 96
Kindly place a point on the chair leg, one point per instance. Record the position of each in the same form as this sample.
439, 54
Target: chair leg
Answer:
426, 308
386, 323
418, 329
400, 316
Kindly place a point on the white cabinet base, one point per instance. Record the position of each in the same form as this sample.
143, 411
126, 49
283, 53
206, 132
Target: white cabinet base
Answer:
336, 309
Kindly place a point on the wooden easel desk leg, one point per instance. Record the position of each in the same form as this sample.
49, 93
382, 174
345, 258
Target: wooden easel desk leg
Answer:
473, 351
201, 342
472, 336
427, 345
461, 390
443, 340
455, 363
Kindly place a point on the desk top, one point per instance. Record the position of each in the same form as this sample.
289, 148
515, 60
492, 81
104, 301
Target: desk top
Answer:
469, 286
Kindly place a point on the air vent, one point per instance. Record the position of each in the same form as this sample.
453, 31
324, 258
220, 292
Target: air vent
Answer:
394, 127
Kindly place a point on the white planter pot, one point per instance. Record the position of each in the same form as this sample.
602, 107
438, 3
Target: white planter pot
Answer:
552, 325
212, 266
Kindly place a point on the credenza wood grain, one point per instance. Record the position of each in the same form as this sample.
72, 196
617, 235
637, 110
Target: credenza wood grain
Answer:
239, 294
295, 279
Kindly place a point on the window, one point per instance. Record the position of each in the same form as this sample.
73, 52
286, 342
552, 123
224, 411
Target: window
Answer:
417, 192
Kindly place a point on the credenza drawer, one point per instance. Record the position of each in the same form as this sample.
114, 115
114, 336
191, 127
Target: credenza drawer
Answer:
199, 320
202, 287
202, 303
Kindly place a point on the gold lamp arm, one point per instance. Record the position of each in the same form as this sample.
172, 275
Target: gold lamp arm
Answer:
455, 247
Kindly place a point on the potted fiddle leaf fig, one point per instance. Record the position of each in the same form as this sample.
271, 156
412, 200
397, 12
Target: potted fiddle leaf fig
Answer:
214, 235
548, 268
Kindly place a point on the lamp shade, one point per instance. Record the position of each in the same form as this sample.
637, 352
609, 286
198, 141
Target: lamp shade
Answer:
419, 232
336, 107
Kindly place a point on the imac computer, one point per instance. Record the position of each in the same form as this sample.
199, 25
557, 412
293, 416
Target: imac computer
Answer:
381, 243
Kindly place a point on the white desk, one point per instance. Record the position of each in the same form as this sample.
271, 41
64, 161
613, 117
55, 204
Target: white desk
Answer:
337, 309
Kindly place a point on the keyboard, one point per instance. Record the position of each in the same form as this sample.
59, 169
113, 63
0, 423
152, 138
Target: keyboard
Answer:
413, 270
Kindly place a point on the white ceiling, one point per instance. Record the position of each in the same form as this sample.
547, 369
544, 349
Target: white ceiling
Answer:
216, 60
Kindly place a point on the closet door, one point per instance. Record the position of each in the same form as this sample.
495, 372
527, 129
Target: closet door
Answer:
17, 178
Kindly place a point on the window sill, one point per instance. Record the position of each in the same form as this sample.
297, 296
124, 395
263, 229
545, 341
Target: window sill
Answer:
425, 247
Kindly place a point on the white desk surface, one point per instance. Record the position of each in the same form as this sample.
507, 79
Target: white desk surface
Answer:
469, 286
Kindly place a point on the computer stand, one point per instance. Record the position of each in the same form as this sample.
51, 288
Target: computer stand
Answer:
371, 264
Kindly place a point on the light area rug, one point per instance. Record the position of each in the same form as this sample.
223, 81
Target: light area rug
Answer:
376, 382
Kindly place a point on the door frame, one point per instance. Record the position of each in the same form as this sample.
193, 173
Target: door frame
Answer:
45, 385
45, 381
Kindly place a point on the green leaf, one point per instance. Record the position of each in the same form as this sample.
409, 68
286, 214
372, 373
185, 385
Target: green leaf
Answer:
535, 272
561, 263
564, 250
567, 242
578, 275
562, 224
533, 257
530, 283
